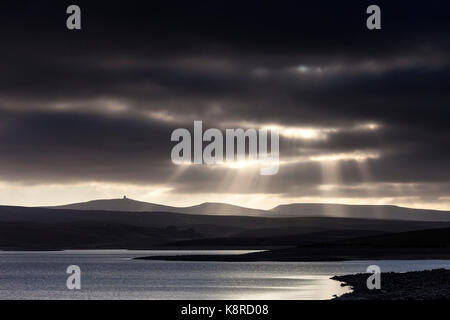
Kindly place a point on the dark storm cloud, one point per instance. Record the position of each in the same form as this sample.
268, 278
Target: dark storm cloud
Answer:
42, 146
293, 64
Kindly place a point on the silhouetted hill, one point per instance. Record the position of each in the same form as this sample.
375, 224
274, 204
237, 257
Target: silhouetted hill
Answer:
38, 228
125, 204
382, 212
359, 211
214, 208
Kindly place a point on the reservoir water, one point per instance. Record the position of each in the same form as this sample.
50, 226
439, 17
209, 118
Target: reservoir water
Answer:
113, 274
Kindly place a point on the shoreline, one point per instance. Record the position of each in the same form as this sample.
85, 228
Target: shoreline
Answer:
415, 285
317, 254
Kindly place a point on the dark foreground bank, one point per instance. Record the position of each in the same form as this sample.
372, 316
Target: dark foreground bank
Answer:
413, 245
418, 285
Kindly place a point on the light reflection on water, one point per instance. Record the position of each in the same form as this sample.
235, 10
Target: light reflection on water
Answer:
111, 274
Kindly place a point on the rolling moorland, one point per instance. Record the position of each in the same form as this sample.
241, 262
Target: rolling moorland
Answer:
421, 244
299, 235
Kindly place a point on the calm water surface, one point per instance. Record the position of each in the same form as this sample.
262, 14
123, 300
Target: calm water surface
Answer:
111, 274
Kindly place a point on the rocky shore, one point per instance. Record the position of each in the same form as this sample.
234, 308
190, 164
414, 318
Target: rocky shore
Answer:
419, 285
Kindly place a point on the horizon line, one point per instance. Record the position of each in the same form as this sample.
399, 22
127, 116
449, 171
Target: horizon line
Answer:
231, 204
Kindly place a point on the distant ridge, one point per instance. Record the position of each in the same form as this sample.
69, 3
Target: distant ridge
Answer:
384, 212
28, 228
130, 205
359, 211
122, 204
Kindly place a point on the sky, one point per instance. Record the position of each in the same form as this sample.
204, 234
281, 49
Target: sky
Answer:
362, 114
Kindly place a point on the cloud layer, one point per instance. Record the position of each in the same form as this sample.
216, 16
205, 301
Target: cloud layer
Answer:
363, 114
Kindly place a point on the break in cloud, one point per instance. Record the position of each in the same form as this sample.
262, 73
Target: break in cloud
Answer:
363, 115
